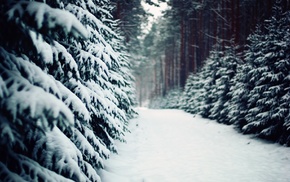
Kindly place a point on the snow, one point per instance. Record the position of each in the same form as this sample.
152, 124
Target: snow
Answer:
36, 171
77, 102
99, 146
173, 146
90, 18
60, 154
66, 56
40, 103
10, 175
42, 47
42, 13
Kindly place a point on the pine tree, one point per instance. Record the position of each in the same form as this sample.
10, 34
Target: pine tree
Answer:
172, 99
225, 74
210, 75
191, 99
239, 95
266, 80
98, 59
207, 93
63, 96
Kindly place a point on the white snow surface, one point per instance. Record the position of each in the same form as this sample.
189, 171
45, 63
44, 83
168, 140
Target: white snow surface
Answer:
52, 17
174, 146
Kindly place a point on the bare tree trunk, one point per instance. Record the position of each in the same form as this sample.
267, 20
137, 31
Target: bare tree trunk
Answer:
182, 54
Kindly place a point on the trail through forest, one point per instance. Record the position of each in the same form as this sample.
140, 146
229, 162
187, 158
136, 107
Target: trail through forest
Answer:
173, 146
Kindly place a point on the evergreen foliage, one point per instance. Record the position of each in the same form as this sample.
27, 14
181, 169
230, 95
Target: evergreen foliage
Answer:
191, 100
206, 93
170, 101
267, 73
229, 61
210, 74
131, 15
252, 94
65, 89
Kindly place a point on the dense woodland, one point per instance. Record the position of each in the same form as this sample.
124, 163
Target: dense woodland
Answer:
66, 89
227, 61
182, 39
67, 75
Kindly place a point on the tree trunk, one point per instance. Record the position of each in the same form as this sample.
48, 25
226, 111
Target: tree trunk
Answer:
182, 54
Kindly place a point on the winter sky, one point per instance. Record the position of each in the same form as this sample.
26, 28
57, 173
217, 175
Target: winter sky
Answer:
155, 11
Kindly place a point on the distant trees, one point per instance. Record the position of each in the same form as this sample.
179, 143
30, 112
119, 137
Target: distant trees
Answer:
192, 29
132, 18
131, 15
65, 89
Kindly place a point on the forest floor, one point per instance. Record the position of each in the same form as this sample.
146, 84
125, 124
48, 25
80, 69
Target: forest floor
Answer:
173, 146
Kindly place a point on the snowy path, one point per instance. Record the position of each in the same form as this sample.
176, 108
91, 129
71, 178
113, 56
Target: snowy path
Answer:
172, 146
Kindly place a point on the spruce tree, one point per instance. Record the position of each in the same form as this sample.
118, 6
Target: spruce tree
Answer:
225, 74
239, 95
63, 96
191, 99
266, 80
209, 75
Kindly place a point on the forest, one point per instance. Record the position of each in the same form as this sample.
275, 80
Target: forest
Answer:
73, 71
224, 60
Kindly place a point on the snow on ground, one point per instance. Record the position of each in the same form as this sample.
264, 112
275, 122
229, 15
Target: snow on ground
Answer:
173, 146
